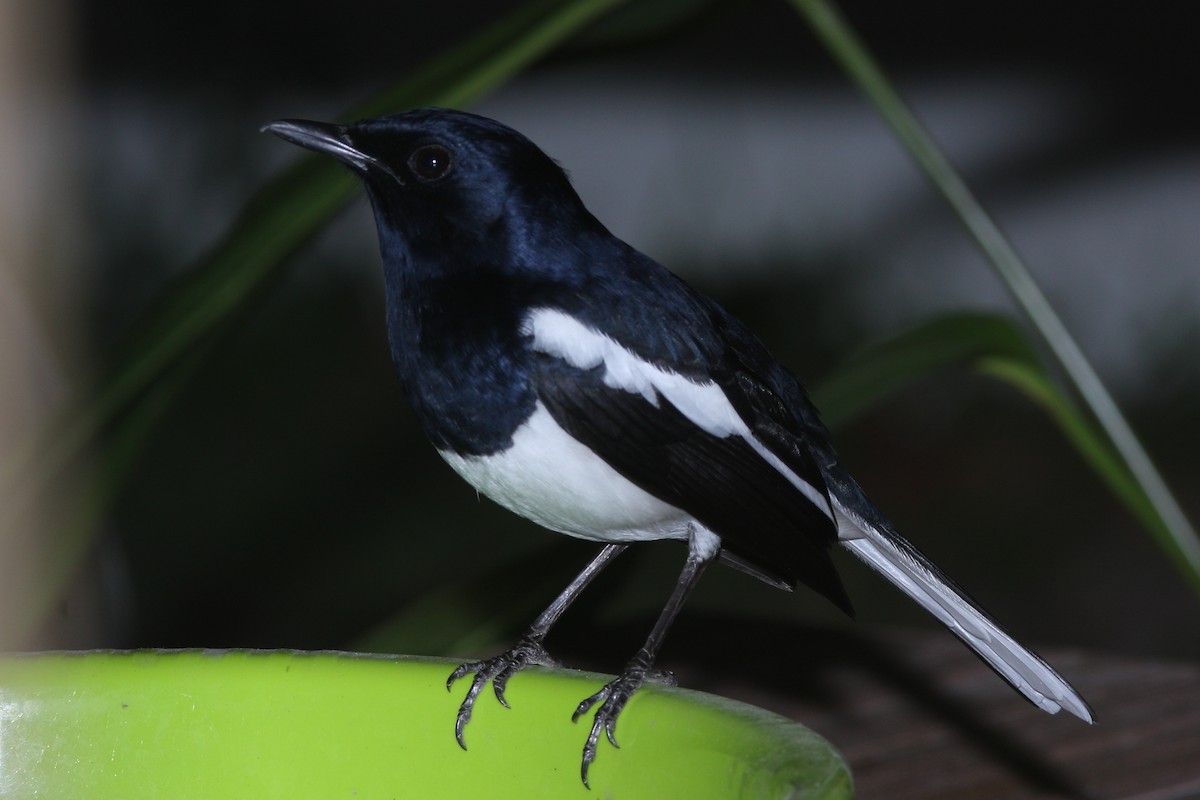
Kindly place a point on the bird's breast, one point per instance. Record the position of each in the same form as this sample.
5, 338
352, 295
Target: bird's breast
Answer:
552, 479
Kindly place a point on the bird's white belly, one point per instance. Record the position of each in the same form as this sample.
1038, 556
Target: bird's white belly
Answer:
552, 479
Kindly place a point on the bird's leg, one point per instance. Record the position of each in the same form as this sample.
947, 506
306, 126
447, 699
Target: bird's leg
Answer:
616, 693
528, 649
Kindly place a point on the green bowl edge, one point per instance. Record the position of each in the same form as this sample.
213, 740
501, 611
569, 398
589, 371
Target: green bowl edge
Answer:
243, 723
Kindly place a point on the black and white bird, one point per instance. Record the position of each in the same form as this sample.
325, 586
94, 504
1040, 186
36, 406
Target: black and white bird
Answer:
578, 383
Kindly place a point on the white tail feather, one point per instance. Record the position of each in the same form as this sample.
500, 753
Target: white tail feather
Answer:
1025, 670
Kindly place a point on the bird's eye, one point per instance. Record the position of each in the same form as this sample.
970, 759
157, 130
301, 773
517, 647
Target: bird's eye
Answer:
430, 162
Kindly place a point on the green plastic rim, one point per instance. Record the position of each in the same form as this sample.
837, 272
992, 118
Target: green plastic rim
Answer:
254, 724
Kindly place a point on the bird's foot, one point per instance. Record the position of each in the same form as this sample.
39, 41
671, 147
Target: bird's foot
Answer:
497, 669
612, 699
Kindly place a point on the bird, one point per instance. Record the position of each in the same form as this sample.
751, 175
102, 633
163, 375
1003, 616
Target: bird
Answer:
577, 382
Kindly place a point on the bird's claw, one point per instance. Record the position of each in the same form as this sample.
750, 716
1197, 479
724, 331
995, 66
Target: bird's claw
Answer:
611, 700
497, 669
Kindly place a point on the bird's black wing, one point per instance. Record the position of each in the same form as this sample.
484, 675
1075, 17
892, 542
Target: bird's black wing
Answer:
769, 398
763, 521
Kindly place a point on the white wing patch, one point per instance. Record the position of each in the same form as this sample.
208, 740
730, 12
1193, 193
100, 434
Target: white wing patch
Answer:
559, 334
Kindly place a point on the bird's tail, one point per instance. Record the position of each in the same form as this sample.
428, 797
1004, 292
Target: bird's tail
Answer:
865, 532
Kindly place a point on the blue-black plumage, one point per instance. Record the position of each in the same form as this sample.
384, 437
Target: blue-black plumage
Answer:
577, 382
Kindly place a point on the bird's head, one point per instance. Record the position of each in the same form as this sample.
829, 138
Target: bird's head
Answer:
439, 178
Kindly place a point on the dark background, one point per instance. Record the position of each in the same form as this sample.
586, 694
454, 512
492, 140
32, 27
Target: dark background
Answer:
288, 500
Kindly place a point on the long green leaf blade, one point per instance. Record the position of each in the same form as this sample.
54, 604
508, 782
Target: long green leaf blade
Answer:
997, 347
288, 211
841, 41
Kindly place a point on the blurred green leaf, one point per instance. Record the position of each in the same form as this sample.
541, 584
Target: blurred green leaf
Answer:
280, 219
1032, 379
648, 19
997, 347
1171, 527
284, 215
954, 339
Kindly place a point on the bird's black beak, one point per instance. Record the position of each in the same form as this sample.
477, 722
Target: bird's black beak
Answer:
330, 139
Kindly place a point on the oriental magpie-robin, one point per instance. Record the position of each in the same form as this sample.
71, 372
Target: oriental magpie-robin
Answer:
578, 383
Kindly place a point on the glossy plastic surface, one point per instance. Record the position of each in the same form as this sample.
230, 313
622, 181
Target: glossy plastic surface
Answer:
243, 724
